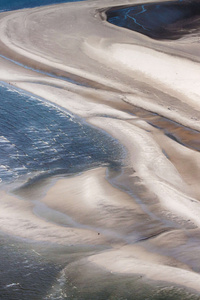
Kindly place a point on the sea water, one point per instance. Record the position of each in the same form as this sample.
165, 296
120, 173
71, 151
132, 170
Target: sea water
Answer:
38, 137
6, 5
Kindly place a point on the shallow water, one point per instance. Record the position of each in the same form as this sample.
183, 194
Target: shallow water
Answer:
6, 5
38, 137
25, 273
37, 140
49, 272
167, 20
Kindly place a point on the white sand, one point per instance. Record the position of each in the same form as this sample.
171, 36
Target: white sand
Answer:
134, 262
122, 69
17, 218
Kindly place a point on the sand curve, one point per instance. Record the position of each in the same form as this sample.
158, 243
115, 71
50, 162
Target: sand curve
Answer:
122, 87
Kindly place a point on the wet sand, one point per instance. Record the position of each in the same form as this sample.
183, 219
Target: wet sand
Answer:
143, 92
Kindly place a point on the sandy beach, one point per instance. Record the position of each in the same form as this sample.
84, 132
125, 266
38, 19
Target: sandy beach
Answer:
145, 94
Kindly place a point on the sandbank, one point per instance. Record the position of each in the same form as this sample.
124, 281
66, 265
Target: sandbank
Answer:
127, 85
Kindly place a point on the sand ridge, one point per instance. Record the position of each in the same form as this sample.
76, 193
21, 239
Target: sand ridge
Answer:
126, 84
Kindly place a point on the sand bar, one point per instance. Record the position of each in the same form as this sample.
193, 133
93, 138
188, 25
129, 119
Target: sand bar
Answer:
121, 78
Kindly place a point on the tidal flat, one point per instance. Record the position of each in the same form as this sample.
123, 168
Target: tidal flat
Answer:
99, 150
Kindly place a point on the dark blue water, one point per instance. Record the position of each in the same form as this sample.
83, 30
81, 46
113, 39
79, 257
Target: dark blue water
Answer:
26, 274
166, 20
36, 136
20, 4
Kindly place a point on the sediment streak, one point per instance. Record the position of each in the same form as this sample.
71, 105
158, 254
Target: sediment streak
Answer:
143, 92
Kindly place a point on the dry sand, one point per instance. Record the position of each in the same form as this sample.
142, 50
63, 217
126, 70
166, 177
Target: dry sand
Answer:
122, 78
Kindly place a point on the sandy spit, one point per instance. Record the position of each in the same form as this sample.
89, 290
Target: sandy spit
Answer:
119, 77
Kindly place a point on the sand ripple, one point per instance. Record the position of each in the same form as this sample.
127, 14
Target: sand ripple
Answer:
143, 92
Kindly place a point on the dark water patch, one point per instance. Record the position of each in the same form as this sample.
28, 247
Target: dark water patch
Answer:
36, 136
29, 270
6, 5
166, 20
25, 273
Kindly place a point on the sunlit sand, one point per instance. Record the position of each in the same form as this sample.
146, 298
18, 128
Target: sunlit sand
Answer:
143, 92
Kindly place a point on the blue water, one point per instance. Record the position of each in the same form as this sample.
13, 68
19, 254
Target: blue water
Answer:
36, 136
166, 20
20, 4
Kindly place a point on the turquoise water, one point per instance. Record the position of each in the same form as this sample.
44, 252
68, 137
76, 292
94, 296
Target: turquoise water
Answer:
20, 4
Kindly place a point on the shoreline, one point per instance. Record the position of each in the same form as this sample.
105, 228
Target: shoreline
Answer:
155, 200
